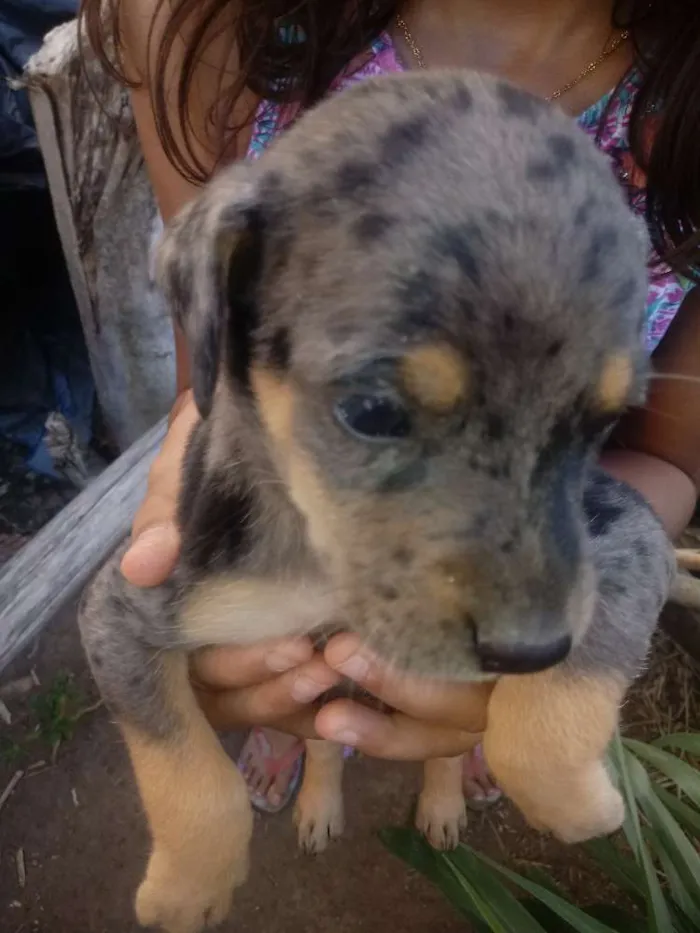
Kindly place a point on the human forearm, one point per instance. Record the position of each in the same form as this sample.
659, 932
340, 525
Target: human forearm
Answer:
668, 490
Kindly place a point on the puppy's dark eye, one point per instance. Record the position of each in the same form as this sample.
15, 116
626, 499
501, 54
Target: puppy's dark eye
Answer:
373, 417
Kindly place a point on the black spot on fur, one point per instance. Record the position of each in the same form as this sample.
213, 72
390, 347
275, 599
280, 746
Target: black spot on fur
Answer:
600, 251
553, 349
564, 523
463, 99
217, 536
354, 177
517, 103
193, 471
272, 185
457, 242
279, 350
387, 593
418, 296
624, 293
243, 279
402, 140
96, 659
583, 214
601, 511
403, 556
495, 427
372, 226
557, 164
562, 149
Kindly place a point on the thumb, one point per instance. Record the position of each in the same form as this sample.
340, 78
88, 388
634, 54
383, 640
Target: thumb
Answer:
152, 555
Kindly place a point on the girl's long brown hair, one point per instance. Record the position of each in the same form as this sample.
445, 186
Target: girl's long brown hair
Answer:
666, 34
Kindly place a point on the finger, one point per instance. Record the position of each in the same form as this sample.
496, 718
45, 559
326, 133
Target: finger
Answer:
152, 556
392, 736
461, 705
284, 698
155, 537
228, 667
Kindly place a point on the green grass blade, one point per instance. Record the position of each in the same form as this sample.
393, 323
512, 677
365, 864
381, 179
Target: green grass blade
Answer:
682, 741
408, 845
577, 919
658, 914
681, 897
687, 817
497, 905
685, 776
621, 869
669, 840
500, 899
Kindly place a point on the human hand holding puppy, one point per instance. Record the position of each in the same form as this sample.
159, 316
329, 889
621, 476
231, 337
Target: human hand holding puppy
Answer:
429, 719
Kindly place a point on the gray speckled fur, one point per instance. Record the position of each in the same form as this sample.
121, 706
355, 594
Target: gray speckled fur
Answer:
411, 209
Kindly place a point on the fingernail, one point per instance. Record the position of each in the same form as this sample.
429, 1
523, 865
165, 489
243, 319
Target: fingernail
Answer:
305, 690
346, 737
155, 536
284, 659
356, 667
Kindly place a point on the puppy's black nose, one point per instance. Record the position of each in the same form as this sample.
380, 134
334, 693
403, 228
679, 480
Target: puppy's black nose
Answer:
521, 658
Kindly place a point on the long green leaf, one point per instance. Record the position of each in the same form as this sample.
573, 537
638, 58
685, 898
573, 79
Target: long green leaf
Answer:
412, 848
576, 918
621, 869
618, 918
476, 891
498, 906
688, 817
682, 898
466, 863
682, 741
658, 914
672, 841
685, 776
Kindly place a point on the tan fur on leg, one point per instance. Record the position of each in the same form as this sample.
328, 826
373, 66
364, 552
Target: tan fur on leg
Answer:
545, 744
199, 815
441, 813
318, 813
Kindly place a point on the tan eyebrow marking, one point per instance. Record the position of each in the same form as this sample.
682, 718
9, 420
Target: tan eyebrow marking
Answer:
436, 376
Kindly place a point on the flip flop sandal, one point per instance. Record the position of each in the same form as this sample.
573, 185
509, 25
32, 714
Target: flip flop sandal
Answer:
478, 804
293, 758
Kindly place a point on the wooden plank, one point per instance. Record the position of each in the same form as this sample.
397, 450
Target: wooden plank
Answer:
55, 565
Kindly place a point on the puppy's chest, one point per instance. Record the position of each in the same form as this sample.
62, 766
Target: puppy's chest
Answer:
241, 610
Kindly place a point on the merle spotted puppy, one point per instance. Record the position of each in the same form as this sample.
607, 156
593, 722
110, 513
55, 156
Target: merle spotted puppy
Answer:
411, 323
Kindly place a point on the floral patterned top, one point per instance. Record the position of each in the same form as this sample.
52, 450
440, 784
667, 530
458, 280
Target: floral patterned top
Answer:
607, 123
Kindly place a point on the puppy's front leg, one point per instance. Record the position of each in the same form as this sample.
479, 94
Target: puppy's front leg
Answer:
545, 744
441, 813
319, 811
195, 800
547, 733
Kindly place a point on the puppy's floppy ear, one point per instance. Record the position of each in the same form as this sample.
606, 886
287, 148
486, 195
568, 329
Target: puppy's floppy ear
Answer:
207, 263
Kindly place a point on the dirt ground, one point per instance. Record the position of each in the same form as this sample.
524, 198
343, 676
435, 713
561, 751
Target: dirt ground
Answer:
73, 844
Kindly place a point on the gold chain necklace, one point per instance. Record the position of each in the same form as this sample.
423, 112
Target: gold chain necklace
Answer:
609, 49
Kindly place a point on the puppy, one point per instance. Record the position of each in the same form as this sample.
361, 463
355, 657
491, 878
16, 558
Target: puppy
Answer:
411, 323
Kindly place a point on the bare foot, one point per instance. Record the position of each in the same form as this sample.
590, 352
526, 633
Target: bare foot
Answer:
480, 790
271, 764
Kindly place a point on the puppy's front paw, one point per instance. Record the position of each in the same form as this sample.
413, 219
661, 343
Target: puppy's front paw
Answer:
319, 817
176, 899
575, 808
600, 816
441, 819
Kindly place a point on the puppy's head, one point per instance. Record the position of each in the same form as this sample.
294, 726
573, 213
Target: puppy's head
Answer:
431, 293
